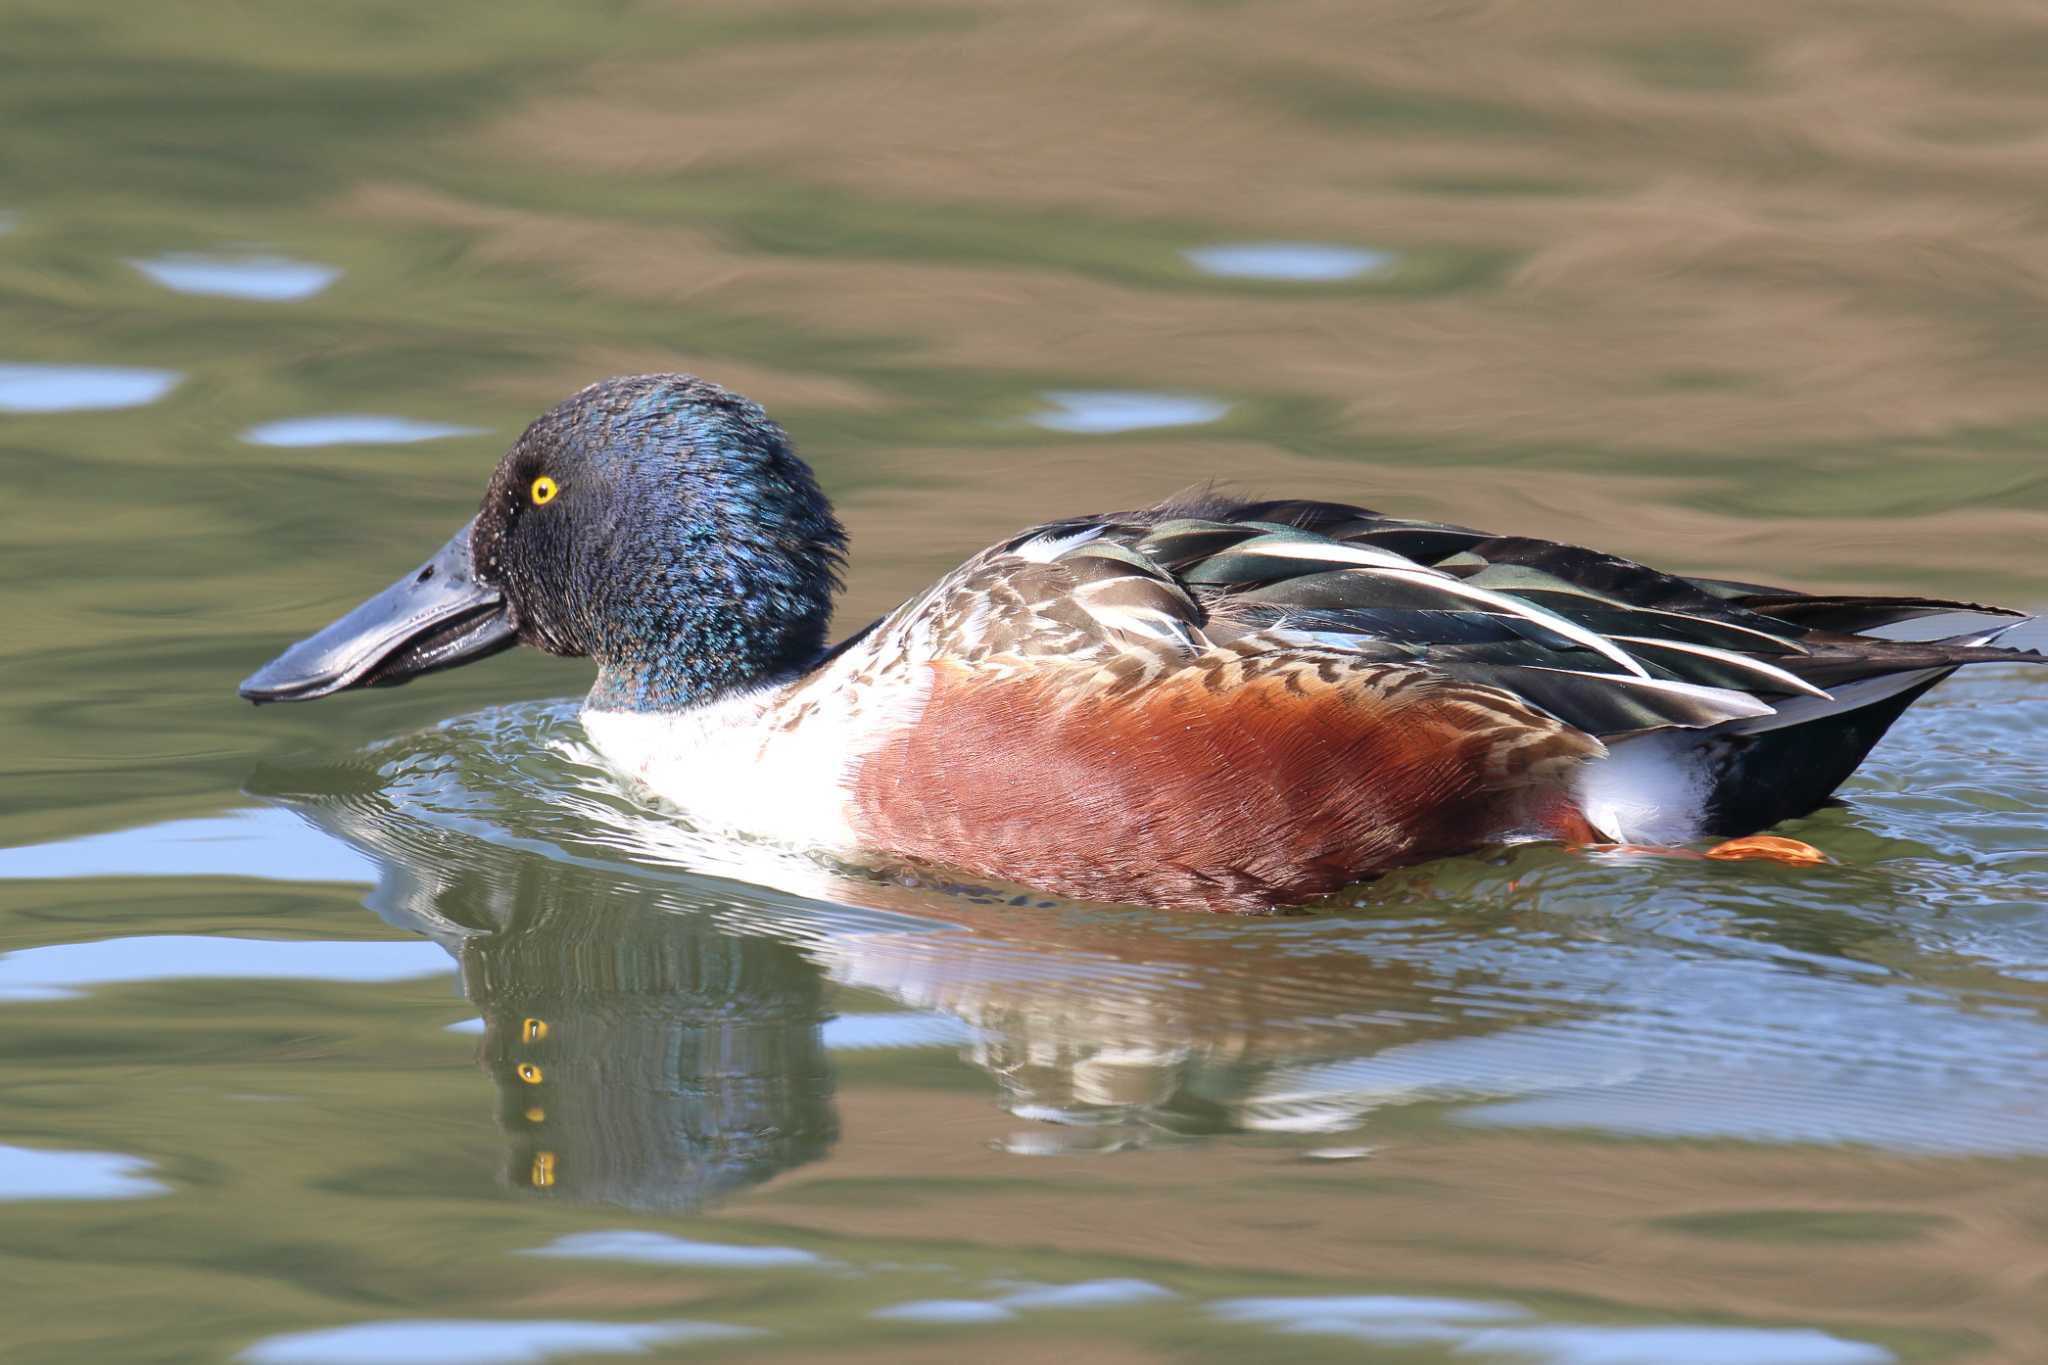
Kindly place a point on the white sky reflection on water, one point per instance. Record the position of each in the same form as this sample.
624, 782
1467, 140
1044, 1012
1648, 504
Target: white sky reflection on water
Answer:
40, 1173
1499, 1331
1111, 1293
352, 429
1295, 262
894, 1029
265, 842
1682, 1344
952, 1311
658, 1248
268, 279
1099, 412
1086, 1294
58, 970
476, 1341
81, 388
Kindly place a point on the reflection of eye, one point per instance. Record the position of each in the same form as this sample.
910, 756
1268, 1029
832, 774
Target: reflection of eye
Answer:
533, 1030
543, 1170
528, 1072
544, 490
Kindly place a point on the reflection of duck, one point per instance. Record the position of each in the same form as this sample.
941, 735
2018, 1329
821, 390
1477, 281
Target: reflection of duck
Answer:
596, 919
641, 1058
1210, 703
656, 1039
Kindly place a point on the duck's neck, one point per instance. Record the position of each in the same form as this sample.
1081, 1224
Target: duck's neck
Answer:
712, 622
675, 685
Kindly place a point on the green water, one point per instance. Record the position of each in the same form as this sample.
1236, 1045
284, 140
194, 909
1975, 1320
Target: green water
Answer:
393, 1028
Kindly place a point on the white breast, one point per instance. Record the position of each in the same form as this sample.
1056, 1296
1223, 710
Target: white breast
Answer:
740, 764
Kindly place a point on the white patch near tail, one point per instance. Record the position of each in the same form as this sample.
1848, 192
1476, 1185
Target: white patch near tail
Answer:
1651, 788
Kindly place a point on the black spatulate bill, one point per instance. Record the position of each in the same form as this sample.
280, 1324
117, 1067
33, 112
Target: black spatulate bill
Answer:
435, 617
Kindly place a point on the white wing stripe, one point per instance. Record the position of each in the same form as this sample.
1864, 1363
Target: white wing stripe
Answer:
1528, 611
1330, 551
1781, 641
1738, 705
1733, 660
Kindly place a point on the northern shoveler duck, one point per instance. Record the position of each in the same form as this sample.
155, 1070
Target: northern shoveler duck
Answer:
1213, 703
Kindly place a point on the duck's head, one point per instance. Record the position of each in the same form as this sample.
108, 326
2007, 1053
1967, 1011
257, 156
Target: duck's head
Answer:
658, 524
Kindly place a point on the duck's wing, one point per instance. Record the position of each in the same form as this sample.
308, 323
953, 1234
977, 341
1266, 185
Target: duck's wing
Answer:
1604, 644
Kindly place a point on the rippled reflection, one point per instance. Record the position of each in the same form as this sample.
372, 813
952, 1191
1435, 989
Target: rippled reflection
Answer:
642, 1055
655, 1013
642, 1059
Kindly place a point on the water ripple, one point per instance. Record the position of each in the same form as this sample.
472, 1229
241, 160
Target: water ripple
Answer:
59, 970
479, 1341
1100, 412
270, 279
39, 1173
81, 388
1295, 262
657, 1248
1480, 1329
359, 429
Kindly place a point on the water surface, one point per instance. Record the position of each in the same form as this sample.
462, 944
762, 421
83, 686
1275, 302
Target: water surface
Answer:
396, 1028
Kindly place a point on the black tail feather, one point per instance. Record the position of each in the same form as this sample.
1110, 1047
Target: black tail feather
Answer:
1853, 615
1762, 779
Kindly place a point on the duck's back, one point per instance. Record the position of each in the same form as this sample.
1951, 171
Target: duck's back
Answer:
1237, 705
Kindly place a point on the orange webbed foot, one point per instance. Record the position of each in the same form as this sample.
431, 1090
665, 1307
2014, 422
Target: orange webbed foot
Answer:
1774, 847
1769, 847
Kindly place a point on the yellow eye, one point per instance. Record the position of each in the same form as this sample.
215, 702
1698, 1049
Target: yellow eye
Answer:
544, 490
